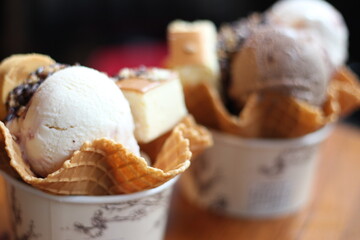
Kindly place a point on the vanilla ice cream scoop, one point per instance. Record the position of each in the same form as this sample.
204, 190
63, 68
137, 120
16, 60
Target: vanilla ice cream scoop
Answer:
72, 106
319, 17
281, 60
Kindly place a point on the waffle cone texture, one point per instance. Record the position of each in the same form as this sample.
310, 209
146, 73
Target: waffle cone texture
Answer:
15, 69
104, 167
271, 115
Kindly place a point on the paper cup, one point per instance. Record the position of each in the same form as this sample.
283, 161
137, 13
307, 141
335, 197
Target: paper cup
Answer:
38, 215
254, 178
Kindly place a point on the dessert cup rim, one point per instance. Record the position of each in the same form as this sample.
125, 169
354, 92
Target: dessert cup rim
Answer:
82, 199
308, 139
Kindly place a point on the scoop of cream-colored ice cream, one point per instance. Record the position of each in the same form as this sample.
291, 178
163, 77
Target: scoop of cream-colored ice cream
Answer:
72, 106
280, 60
319, 17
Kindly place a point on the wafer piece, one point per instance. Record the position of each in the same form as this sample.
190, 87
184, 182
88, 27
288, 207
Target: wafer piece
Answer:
15, 69
4, 160
193, 53
346, 84
199, 137
200, 101
205, 104
104, 167
280, 116
265, 115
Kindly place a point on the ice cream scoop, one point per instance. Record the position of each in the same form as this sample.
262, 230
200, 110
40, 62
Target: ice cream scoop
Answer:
280, 60
72, 106
316, 16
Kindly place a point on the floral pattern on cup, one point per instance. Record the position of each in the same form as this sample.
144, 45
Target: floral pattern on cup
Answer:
102, 218
286, 158
17, 220
206, 176
118, 212
258, 178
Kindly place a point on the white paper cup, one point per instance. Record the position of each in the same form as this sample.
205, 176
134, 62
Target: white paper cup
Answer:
43, 216
254, 177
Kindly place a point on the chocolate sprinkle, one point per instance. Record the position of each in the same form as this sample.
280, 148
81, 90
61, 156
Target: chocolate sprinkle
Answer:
142, 72
131, 73
20, 96
231, 38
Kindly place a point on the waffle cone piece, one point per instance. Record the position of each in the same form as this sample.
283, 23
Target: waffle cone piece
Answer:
104, 167
271, 115
15, 69
198, 136
345, 85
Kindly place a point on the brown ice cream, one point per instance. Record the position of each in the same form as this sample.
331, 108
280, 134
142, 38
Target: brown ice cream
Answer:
280, 60
276, 82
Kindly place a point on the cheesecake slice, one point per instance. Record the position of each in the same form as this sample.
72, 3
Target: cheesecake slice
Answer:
156, 100
193, 52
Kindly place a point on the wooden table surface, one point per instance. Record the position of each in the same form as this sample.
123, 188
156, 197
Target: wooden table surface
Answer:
333, 212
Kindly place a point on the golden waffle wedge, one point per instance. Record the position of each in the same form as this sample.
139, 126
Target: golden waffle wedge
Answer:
264, 115
165, 159
346, 84
104, 167
200, 101
246, 125
285, 117
205, 104
271, 115
199, 137
4, 160
15, 69
152, 149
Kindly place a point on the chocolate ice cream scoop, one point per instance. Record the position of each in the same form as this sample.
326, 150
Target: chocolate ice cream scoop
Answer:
280, 60
318, 17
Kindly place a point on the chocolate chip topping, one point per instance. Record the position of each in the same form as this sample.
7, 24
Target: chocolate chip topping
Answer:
131, 73
231, 38
233, 35
151, 74
20, 96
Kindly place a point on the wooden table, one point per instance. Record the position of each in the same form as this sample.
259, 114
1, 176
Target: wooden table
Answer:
333, 213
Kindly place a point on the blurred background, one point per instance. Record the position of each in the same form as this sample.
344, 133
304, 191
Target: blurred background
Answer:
92, 32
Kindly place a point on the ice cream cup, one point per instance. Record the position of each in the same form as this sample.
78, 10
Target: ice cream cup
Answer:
141, 215
254, 178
